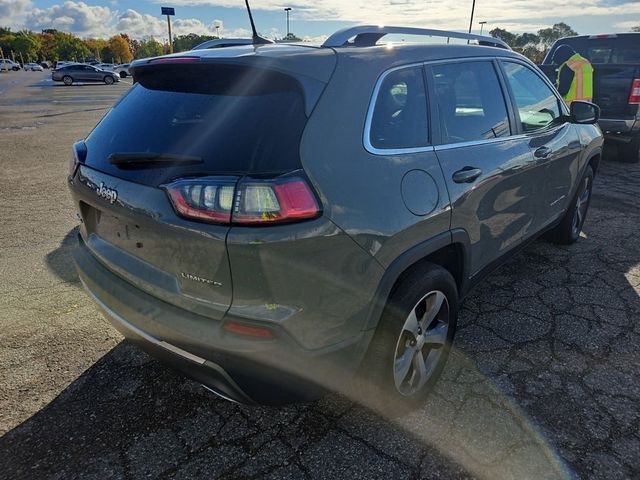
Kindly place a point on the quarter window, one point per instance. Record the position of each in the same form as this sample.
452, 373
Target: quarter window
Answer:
471, 105
538, 106
399, 117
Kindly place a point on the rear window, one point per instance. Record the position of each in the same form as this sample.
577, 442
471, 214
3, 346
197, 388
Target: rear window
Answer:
235, 120
623, 49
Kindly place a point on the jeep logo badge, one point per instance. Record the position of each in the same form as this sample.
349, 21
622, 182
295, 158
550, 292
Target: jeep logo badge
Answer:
107, 193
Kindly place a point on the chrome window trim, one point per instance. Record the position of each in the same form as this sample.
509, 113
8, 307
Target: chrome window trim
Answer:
430, 148
471, 143
372, 103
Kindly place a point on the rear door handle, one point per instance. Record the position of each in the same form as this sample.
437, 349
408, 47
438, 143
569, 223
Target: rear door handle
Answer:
466, 175
542, 152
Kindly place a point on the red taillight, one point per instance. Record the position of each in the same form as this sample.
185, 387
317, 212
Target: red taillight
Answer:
274, 201
209, 199
634, 96
78, 156
245, 202
248, 330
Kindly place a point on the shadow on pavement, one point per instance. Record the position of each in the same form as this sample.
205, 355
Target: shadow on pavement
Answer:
60, 262
544, 380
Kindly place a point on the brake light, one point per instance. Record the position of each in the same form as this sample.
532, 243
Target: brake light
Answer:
634, 96
273, 201
208, 199
78, 156
249, 201
175, 60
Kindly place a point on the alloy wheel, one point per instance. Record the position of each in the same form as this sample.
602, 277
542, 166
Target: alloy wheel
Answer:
421, 343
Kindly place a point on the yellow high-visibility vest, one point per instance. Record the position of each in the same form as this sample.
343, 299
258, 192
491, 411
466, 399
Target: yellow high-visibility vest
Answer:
582, 84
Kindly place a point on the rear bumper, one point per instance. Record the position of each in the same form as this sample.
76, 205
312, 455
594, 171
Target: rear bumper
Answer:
241, 369
619, 129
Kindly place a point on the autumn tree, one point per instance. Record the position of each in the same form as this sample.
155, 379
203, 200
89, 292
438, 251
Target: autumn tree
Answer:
96, 46
149, 48
117, 50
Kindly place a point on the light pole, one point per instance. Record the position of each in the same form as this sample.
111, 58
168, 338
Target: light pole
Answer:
288, 9
218, 31
482, 24
473, 7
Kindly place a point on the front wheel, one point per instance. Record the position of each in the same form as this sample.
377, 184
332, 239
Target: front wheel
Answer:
568, 231
412, 342
67, 80
108, 80
123, 74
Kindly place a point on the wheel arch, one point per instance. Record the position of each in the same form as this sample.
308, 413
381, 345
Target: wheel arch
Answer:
450, 250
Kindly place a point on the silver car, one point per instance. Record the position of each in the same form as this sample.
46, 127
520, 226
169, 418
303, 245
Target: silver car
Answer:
33, 67
83, 73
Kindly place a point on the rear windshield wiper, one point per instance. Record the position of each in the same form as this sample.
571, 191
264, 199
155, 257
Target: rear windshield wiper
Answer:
150, 160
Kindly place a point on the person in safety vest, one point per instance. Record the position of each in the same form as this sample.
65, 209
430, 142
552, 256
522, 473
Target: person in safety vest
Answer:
575, 75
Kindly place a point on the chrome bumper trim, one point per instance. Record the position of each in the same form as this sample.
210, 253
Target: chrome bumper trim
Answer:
159, 343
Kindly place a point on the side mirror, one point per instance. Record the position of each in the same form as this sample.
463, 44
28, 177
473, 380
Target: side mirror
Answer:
584, 113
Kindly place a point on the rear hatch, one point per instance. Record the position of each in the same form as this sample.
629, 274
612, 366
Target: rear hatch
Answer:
184, 120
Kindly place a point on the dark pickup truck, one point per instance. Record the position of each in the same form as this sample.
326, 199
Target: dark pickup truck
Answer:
616, 85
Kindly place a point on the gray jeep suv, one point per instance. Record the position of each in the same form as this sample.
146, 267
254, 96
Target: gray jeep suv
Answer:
278, 220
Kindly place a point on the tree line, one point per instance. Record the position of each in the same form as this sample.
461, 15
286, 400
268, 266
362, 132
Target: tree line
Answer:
52, 45
534, 46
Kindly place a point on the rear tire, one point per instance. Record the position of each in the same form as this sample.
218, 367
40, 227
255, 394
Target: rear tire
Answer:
67, 80
412, 342
630, 152
123, 74
568, 231
108, 80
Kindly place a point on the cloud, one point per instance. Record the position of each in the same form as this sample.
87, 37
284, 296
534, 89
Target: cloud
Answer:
12, 8
76, 17
628, 25
12, 12
436, 13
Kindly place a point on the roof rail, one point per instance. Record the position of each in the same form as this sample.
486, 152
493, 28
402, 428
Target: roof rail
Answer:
224, 42
368, 35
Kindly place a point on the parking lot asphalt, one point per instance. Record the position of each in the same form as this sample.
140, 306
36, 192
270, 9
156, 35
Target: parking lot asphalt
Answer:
544, 379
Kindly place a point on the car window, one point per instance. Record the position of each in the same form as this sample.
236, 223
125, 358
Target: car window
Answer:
399, 118
471, 105
537, 104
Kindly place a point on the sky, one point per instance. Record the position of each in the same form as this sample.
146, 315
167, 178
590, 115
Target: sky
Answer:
311, 19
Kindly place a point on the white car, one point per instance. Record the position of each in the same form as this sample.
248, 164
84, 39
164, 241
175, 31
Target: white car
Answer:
6, 64
34, 67
122, 70
105, 66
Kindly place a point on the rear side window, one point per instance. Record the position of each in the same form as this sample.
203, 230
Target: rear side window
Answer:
623, 49
399, 118
234, 120
471, 105
537, 105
